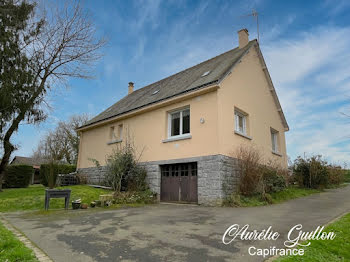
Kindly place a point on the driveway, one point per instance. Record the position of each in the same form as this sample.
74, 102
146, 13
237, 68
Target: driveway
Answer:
168, 232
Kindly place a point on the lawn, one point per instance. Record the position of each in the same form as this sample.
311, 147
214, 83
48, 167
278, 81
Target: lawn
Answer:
347, 176
287, 194
32, 198
11, 249
328, 250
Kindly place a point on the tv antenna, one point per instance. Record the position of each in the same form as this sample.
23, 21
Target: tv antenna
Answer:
254, 14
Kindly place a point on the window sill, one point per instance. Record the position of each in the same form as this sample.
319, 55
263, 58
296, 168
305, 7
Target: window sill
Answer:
176, 138
276, 153
243, 135
114, 141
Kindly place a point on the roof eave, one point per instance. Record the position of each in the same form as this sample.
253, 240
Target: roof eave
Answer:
208, 85
272, 88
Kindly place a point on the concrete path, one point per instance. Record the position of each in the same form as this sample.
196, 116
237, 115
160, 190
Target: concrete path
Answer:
168, 232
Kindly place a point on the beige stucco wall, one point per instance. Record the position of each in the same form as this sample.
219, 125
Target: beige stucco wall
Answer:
148, 130
247, 89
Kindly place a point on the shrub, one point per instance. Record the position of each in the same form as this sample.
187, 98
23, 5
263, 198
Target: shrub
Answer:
66, 168
311, 172
256, 176
249, 170
268, 198
347, 176
314, 172
123, 171
144, 197
49, 172
273, 179
18, 176
137, 180
336, 175
233, 200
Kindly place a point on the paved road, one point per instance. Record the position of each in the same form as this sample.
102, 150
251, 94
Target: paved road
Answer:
172, 232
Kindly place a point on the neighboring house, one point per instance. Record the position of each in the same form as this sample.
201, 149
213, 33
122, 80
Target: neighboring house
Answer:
34, 162
187, 126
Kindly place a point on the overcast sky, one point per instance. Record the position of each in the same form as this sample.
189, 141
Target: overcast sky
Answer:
305, 45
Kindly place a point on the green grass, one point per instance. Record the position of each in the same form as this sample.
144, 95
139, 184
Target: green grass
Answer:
11, 249
279, 197
287, 194
291, 193
347, 176
32, 198
337, 249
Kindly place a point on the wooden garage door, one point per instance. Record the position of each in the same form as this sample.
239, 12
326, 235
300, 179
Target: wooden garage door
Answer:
179, 182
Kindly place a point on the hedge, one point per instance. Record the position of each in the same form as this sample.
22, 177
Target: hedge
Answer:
18, 176
57, 169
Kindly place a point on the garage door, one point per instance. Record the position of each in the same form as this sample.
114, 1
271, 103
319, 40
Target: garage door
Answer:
179, 183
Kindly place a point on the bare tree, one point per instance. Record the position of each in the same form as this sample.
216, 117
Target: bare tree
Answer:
64, 44
62, 143
72, 136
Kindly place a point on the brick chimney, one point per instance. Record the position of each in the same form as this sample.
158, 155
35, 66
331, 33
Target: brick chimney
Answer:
131, 88
243, 37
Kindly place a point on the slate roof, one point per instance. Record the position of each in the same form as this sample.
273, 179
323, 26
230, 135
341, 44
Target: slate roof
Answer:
28, 161
182, 82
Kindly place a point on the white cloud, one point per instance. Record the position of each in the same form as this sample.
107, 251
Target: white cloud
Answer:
147, 12
336, 7
310, 72
305, 53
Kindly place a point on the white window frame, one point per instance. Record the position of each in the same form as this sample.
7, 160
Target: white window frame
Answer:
274, 141
181, 123
244, 118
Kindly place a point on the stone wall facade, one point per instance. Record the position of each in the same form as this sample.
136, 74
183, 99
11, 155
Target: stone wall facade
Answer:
217, 176
94, 175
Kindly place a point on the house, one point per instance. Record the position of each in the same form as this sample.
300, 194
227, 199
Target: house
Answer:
188, 124
34, 162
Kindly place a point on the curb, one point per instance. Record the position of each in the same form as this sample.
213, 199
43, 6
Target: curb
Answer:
39, 254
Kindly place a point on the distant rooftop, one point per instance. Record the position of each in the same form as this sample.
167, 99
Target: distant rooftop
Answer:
17, 160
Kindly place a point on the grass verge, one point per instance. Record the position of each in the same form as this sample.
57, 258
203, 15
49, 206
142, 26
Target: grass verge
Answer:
32, 198
347, 176
337, 249
11, 249
286, 194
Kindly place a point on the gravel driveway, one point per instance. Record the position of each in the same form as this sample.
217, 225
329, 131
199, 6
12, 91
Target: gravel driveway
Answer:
168, 232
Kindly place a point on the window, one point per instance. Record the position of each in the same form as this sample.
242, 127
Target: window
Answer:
115, 134
112, 135
178, 170
179, 122
274, 140
120, 131
240, 122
